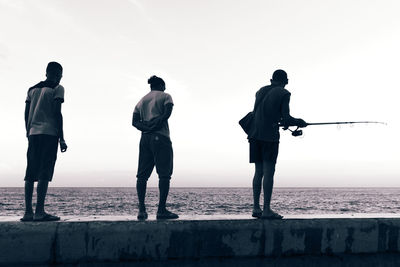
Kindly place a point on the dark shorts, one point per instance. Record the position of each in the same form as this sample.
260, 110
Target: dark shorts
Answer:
41, 155
155, 150
263, 151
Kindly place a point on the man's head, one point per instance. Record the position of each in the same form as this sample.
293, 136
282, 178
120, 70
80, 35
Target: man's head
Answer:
156, 83
279, 77
54, 72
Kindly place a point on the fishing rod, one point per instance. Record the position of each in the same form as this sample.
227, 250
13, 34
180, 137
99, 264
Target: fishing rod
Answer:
344, 122
298, 132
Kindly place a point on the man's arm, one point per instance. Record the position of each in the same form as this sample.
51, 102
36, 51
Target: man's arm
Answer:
139, 124
157, 122
27, 108
59, 121
288, 120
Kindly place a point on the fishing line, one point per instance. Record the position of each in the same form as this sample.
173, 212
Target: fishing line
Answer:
298, 132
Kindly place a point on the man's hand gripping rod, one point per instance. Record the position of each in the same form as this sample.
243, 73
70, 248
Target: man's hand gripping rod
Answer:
298, 132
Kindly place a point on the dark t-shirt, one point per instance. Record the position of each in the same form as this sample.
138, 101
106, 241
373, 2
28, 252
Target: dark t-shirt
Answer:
271, 104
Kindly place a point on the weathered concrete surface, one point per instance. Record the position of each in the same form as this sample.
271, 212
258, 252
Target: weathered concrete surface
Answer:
199, 241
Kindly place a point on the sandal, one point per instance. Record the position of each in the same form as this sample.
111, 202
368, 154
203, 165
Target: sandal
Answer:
46, 218
256, 214
272, 216
142, 215
166, 215
27, 218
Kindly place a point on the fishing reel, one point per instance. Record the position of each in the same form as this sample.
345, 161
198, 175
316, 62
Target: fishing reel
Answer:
296, 132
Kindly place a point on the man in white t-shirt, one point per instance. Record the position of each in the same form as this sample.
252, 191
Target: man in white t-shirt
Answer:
44, 129
151, 118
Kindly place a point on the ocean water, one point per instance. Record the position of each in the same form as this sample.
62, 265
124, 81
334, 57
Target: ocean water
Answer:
207, 201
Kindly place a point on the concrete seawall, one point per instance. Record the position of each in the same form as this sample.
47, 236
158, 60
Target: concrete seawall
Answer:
203, 242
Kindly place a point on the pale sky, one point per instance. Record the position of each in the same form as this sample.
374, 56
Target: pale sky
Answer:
342, 59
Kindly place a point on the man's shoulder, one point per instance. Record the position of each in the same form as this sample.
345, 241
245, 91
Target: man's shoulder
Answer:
262, 90
274, 91
162, 96
157, 95
161, 93
167, 94
145, 98
38, 85
45, 84
267, 87
285, 91
281, 90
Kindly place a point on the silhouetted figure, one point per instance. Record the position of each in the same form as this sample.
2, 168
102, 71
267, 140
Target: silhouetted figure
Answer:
44, 129
270, 109
151, 118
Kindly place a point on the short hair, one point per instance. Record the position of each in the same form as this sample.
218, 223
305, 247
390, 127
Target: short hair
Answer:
280, 76
155, 82
54, 67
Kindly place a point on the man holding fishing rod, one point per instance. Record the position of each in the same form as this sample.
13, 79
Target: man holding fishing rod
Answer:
271, 110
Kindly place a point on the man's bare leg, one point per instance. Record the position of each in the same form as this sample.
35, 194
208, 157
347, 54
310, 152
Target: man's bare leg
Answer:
268, 183
41, 191
40, 214
257, 181
28, 216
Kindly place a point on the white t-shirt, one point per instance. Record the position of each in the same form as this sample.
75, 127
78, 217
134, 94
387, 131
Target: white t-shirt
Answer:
42, 116
152, 105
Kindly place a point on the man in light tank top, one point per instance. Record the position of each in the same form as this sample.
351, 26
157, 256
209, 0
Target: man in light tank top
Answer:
44, 129
155, 149
271, 108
